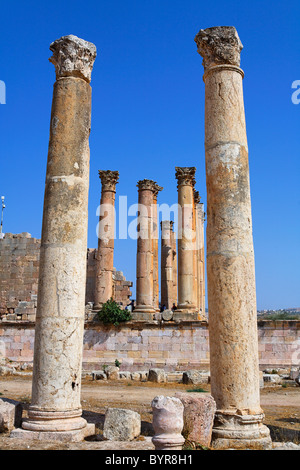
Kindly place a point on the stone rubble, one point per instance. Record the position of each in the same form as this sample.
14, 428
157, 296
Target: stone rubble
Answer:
121, 424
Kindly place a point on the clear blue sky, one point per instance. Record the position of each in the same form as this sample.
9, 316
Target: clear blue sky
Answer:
148, 113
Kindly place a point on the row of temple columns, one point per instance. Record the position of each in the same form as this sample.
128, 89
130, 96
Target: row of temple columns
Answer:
55, 410
191, 272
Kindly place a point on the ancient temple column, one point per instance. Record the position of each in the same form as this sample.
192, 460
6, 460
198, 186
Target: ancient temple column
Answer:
144, 309
167, 287
174, 262
55, 410
155, 250
230, 258
186, 241
200, 255
105, 252
197, 277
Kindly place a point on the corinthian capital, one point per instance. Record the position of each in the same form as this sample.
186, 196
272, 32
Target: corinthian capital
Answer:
197, 197
219, 45
73, 57
157, 188
109, 179
147, 184
185, 175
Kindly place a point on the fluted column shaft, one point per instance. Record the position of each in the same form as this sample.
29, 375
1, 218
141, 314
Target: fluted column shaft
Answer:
166, 264
144, 266
230, 257
186, 244
155, 250
174, 262
105, 252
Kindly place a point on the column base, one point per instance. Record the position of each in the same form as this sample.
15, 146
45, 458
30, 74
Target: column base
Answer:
54, 426
76, 435
168, 442
232, 431
144, 313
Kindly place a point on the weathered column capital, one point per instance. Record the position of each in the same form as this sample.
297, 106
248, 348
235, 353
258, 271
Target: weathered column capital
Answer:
109, 179
219, 45
147, 185
73, 57
157, 189
185, 176
197, 197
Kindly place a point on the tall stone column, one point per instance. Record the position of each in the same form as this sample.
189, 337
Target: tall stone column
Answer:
200, 255
201, 218
55, 410
174, 262
105, 252
186, 244
230, 258
167, 288
195, 258
155, 250
144, 309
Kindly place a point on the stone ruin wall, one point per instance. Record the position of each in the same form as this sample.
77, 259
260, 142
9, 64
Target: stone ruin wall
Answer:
171, 346
19, 273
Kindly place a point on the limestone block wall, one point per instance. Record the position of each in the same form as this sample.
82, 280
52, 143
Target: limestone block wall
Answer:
279, 343
19, 272
173, 347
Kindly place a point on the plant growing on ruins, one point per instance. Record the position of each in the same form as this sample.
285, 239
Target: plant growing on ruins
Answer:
112, 313
117, 363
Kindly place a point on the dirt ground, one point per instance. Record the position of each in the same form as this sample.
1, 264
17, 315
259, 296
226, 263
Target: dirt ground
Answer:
280, 404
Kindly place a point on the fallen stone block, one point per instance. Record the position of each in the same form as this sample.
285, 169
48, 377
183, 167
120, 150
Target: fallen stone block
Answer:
10, 414
157, 375
198, 416
112, 372
294, 372
272, 378
175, 377
195, 377
135, 376
125, 375
121, 424
4, 370
99, 375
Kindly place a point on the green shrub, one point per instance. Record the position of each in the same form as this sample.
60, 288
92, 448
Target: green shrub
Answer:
112, 313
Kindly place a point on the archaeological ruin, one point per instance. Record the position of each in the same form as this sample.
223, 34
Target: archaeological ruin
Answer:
52, 289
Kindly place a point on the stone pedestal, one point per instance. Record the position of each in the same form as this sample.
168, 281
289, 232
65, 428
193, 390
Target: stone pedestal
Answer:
105, 252
187, 309
144, 309
167, 423
230, 258
166, 264
55, 410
